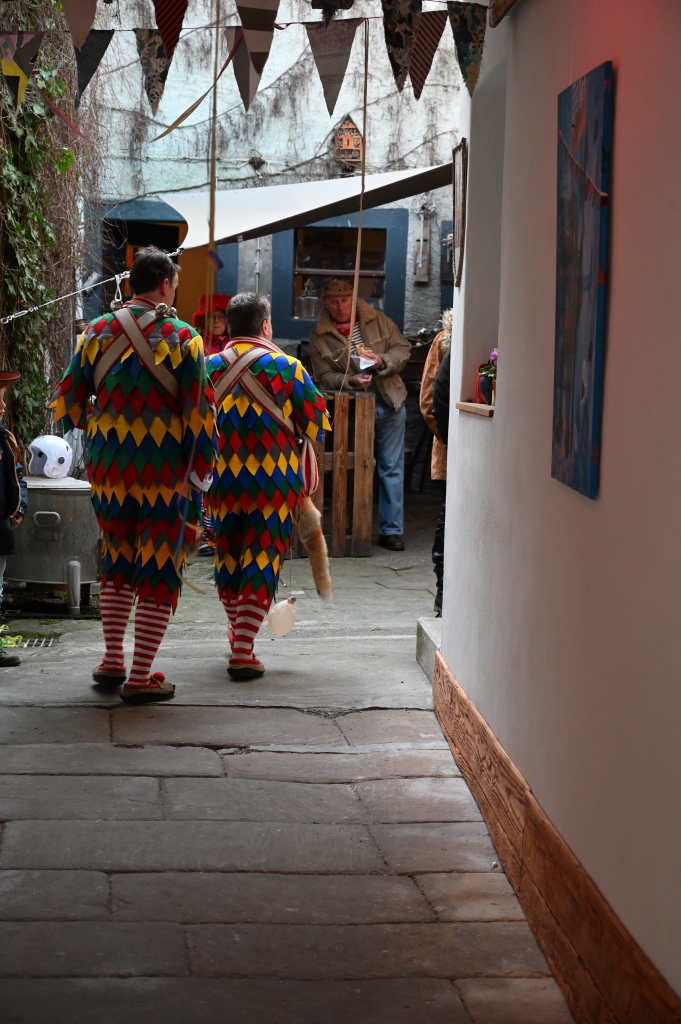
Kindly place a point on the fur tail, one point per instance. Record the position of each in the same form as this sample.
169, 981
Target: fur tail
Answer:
310, 533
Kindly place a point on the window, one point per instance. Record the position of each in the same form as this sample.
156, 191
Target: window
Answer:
384, 253
323, 253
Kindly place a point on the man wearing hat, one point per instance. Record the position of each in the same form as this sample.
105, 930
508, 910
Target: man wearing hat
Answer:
13, 496
383, 352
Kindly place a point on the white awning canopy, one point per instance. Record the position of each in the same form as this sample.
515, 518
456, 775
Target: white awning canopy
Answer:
250, 212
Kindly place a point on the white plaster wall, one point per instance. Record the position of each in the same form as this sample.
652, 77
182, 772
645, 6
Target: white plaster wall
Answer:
561, 615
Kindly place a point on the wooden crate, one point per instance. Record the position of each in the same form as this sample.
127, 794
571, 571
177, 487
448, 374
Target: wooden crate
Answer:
347, 448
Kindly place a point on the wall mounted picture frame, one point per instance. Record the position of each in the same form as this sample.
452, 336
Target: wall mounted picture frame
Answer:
459, 178
584, 156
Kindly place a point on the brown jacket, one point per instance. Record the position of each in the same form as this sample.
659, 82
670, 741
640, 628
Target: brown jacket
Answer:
329, 353
438, 466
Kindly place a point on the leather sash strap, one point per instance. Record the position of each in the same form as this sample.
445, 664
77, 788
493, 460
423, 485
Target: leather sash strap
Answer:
132, 336
237, 373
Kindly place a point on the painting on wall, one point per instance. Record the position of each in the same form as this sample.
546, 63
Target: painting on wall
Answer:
460, 170
584, 142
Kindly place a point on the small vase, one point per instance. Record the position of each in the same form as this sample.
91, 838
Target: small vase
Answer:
483, 389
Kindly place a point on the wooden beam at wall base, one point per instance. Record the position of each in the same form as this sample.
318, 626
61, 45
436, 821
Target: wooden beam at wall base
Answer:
498, 9
605, 976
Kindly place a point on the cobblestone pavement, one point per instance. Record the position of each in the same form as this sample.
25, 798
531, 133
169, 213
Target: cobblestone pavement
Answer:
299, 850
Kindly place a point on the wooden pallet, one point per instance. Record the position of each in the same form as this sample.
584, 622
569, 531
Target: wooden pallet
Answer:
348, 448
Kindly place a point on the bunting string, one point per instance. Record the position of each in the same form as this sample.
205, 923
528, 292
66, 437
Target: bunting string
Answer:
411, 37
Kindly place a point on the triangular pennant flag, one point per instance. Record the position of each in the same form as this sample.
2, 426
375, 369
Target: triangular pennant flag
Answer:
18, 71
331, 45
431, 27
89, 56
8, 44
169, 17
330, 7
247, 78
257, 21
79, 15
155, 64
468, 22
400, 22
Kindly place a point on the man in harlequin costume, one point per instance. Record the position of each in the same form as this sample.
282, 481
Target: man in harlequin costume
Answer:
266, 406
151, 442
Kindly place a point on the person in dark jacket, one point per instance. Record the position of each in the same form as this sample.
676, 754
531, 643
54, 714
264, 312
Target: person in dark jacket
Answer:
13, 497
441, 397
440, 413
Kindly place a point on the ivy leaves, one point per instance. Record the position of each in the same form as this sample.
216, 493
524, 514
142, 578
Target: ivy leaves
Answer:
27, 241
64, 159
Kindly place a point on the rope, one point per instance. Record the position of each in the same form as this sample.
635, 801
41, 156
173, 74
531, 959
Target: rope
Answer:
197, 28
210, 269
197, 103
358, 251
79, 291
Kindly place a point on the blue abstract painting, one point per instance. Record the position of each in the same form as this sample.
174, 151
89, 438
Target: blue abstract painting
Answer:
584, 144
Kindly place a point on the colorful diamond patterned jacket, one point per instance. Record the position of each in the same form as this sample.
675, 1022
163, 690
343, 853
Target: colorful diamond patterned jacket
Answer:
258, 486
143, 446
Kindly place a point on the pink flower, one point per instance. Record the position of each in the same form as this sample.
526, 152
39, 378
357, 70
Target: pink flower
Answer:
494, 355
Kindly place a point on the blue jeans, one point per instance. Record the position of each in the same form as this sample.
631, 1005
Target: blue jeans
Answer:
390, 429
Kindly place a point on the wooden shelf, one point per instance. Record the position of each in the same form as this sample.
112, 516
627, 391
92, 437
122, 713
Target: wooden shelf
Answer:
477, 408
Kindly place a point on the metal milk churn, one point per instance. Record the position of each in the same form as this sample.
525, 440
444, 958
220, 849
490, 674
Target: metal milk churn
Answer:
57, 543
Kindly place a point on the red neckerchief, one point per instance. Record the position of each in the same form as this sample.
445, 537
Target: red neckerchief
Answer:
214, 343
343, 328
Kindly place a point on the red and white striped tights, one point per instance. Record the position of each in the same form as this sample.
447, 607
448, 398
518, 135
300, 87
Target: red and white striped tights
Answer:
245, 618
150, 627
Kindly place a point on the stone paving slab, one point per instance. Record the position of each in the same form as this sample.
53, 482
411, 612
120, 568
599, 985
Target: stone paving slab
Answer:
389, 726
389, 677
51, 949
453, 846
404, 800
366, 951
278, 896
189, 846
105, 759
70, 796
221, 727
468, 896
54, 725
334, 748
515, 1001
204, 1001
341, 767
43, 895
196, 897
255, 800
